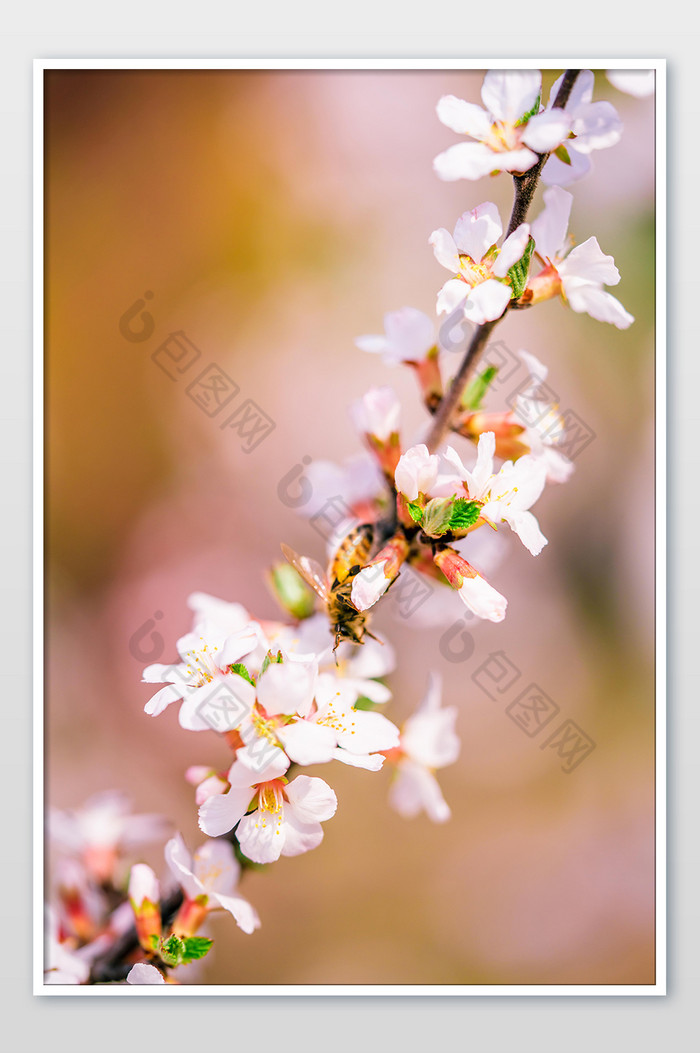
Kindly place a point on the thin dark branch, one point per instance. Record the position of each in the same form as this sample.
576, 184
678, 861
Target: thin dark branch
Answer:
525, 186
114, 964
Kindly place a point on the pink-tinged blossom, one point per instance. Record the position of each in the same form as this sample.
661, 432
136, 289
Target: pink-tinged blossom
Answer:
64, 964
479, 266
212, 696
206, 780
336, 730
416, 472
578, 273
409, 336
377, 413
637, 82
504, 137
209, 879
274, 817
428, 742
102, 829
594, 126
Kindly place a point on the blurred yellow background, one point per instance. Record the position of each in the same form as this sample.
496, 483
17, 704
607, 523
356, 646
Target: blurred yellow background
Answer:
275, 216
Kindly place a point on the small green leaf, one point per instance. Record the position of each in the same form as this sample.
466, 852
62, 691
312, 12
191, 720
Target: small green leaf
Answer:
239, 668
171, 950
154, 939
195, 947
519, 271
415, 511
530, 113
437, 516
364, 703
563, 154
474, 394
464, 514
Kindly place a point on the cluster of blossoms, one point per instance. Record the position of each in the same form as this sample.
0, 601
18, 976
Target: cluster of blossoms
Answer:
293, 694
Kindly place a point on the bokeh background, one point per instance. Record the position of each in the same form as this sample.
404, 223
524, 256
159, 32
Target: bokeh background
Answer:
275, 216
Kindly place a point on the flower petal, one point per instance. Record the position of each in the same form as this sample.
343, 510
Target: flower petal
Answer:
550, 227
487, 301
306, 742
311, 799
262, 836
415, 790
245, 915
596, 127
546, 131
482, 599
637, 82
589, 263
369, 585
462, 117
512, 250
599, 304
300, 837
559, 173
452, 295
465, 161
510, 94
445, 249
143, 973
220, 814
476, 231
162, 699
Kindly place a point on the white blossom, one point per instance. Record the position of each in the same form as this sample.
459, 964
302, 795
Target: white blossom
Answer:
428, 742
505, 139
274, 817
479, 266
212, 872
409, 336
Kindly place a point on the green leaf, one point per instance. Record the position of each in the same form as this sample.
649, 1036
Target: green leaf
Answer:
437, 516
154, 939
530, 113
171, 950
563, 154
364, 703
415, 511
519, 271
239, 668
195, 947
475, 391
464, 514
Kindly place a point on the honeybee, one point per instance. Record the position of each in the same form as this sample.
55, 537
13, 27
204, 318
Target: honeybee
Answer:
334, 586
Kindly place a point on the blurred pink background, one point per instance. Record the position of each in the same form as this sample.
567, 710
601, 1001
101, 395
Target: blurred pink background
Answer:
275, 216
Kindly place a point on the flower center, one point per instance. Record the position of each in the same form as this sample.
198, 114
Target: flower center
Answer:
503, 136
473, 273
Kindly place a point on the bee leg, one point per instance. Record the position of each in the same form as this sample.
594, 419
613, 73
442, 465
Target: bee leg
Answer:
373, 637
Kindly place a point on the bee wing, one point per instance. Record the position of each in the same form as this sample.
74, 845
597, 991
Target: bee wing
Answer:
311, 571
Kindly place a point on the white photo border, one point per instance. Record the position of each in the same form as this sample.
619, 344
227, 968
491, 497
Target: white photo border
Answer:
377, 990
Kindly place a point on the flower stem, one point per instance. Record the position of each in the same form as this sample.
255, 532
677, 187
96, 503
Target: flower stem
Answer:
525, 186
